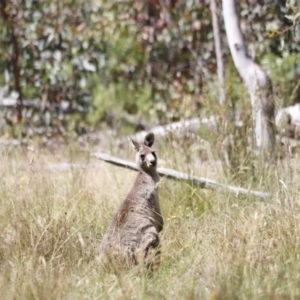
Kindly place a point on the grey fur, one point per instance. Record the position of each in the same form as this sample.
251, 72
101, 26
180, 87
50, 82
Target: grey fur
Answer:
132, 237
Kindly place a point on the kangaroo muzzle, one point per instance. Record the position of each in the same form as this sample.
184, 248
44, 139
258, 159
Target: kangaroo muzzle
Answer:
150, 160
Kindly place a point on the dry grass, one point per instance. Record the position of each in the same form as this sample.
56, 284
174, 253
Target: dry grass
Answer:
215, 245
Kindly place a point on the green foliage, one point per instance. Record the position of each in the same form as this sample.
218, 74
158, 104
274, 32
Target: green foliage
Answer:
164, 51
53, 53
119, 98
47, 35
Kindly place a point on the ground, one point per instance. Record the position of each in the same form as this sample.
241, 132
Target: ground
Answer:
216, 245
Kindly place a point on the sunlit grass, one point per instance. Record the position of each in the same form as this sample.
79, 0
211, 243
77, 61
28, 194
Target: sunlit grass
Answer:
216, 245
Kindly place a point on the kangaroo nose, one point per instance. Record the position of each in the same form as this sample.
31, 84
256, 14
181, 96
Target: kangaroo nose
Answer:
152, 162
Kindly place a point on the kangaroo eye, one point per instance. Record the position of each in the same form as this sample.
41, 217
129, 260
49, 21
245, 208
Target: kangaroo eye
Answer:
143, 156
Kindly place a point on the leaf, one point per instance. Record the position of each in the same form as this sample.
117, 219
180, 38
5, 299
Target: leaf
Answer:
88, 66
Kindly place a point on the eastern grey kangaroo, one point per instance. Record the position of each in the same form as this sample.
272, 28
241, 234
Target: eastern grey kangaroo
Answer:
132, 237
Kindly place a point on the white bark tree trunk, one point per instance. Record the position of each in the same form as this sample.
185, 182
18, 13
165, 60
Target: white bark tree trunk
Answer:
218, 50
255, 78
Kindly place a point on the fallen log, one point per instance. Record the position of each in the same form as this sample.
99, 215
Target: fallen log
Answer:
180, 128
11, 142
185, 127
169, 173
11, 102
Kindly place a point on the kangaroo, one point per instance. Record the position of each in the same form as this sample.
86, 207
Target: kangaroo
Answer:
132, 237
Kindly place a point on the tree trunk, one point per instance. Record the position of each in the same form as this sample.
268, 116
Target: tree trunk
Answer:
255, 79
218, 50
15, 56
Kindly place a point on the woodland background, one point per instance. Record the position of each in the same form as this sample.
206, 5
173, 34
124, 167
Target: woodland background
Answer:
70, 67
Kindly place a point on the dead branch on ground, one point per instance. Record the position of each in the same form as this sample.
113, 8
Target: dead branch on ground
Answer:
169, 173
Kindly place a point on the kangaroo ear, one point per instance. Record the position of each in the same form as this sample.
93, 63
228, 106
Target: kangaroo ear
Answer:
135, 145
149, 139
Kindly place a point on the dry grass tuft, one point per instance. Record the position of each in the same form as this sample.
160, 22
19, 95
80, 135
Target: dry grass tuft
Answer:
215, 245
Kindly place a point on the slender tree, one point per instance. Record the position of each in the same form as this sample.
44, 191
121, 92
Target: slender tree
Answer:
11, 22
218, 50
255, 79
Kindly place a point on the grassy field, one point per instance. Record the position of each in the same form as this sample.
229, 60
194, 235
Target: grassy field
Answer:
216, 245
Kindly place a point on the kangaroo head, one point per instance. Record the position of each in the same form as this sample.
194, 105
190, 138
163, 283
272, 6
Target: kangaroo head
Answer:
145, 155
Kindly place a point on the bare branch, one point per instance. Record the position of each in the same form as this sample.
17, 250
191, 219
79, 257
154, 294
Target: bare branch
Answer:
172, 174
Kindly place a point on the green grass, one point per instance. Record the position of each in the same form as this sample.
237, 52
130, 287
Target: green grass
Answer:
216, 245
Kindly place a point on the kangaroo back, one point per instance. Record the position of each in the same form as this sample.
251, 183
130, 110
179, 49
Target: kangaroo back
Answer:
132, 236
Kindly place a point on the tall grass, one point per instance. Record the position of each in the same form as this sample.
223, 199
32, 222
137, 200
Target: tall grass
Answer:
215, 245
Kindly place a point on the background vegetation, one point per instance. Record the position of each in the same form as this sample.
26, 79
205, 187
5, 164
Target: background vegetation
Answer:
81, 62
